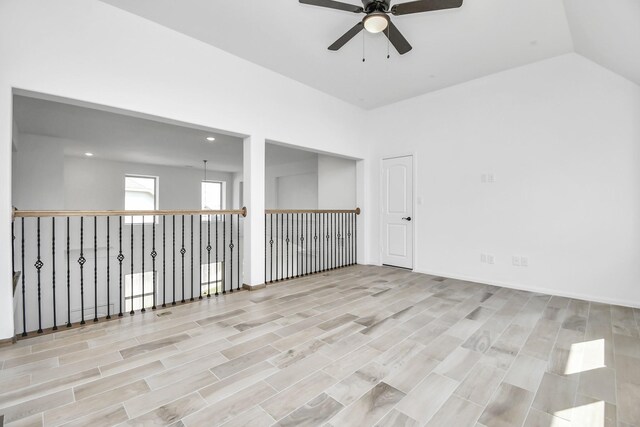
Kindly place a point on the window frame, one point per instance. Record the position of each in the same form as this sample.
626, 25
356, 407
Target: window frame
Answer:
133, 220
223, 194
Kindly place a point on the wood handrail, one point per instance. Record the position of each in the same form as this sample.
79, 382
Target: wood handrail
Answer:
48, 214
318, 211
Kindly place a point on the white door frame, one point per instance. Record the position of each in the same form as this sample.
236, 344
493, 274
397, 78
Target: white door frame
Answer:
414, 162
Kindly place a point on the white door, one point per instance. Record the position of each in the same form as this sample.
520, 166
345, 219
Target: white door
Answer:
397, 212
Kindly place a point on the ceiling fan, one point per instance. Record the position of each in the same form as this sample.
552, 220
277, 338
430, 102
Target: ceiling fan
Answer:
377, 17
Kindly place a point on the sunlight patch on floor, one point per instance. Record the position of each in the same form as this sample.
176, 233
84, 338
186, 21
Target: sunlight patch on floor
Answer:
585, 356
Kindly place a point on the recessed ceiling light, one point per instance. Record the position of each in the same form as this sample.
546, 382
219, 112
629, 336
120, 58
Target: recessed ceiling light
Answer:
88, 154
210, 139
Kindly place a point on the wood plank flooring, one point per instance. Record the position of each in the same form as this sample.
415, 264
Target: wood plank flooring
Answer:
360, 346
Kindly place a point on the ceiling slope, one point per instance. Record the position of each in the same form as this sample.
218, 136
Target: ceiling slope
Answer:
450, 46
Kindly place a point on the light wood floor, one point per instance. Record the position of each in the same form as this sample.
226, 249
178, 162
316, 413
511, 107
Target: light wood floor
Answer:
356, 347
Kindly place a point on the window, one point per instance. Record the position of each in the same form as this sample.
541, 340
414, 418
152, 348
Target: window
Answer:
212, 195
136, 296
212, 278
140, 194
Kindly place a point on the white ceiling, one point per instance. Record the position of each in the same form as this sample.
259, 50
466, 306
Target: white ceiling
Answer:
120, 137
449, 47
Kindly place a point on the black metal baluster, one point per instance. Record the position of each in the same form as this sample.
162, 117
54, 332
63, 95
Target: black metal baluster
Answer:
231, 253
164, 261
326, 242
200, 261
142, 256
53, 270
173, 258
299, 240
38, 266
224, 254
81, 261
182, 252
191, 259
120, 259
353, 260
209, 255
355, 218
24, 301
238, 250
13, 248
303, 241
131, 298
287, 240
276, 215
68, 276
95, 268
154, 254
315, 242
271, 249
307, 241
108, 268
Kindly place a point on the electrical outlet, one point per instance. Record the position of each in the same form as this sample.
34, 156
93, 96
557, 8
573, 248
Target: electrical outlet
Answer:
524, 261
490, 259
491, 178
516, 261
483, 258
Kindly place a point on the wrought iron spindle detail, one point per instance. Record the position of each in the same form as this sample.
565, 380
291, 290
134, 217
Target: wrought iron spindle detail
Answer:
68, 274
287, 241
191, 258
182, 252
200, 261
154, 254
271, 249
217, 257
95, 268
53, 270
231, 252
108, 268
81, 261
131, 298
299, 243
238, 252
39, 264
209, 255
120, 259
224, 255
142, 257
164, 261
173, 258
277, 264
24, 295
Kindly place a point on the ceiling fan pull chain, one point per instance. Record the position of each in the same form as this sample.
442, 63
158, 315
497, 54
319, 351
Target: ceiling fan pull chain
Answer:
363, 51
388, 41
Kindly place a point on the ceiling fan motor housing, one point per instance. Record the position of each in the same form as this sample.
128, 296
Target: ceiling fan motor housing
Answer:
371, 6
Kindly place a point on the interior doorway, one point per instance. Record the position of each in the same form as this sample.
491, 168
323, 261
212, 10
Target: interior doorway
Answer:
397, 212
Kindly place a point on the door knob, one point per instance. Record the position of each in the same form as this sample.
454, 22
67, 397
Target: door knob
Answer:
408, 218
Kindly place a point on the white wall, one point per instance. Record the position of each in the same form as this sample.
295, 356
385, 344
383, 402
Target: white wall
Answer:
100, 54
96, 184
46, 179
306, 191
336, 183
562, 137
39, 174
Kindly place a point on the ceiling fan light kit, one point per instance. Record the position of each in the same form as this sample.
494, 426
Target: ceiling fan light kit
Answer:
377, 18
376, 22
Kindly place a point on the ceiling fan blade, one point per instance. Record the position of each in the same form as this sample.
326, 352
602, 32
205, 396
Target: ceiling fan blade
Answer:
334, 5
424, 6
347, 36
397, 39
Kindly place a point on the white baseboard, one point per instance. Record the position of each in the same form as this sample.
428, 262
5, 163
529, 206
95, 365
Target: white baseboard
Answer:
555, 292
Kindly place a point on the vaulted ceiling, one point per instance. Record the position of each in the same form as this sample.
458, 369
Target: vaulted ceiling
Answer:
449, 47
